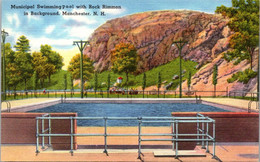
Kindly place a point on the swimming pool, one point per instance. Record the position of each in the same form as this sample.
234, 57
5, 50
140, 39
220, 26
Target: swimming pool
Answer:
126, 110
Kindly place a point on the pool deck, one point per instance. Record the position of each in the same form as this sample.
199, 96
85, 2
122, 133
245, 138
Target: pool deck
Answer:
227, 152
231, 102
224, 151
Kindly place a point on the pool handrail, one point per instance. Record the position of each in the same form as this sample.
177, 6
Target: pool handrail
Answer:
202, 134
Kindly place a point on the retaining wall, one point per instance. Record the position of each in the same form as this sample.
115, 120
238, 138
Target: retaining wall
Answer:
230, 126
20, 128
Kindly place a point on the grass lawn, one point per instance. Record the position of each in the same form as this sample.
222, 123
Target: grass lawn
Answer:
167, 72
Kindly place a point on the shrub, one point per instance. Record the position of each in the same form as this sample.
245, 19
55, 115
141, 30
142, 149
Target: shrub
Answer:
242, 77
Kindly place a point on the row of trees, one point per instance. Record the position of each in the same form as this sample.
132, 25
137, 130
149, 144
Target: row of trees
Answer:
22, 65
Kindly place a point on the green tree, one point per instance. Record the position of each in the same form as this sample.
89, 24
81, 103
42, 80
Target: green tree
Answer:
215, 78
53, 58
9, 53
23, 59
144, 83
244, 22
41, 66
108, 84
65, 81
95, 82
72, 83
22, 44
189, 81
108, 81
35, 80
159, 82
74, 68
124, 59
13, 74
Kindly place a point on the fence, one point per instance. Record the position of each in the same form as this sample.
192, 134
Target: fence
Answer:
203, 135
10, 95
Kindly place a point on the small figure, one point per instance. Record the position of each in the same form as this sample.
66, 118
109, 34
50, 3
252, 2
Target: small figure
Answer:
44, 91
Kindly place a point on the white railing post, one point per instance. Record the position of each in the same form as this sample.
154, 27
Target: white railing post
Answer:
176, 137
198, 127
207, 134
49, 130
105, 134
37, 136
43, 133
173, 134
71, 135
214, 140
203, 135
139, 137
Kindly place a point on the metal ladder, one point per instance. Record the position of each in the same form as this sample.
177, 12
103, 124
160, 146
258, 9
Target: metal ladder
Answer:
198, 99
8, 106
249, 109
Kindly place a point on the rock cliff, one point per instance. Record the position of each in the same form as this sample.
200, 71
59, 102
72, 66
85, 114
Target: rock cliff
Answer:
202, 80
153, 33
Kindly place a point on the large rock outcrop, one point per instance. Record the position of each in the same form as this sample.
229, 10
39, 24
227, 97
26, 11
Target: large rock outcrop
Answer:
152, 33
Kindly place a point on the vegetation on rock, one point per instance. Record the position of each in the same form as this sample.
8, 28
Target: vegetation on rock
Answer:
244, 22
242, 76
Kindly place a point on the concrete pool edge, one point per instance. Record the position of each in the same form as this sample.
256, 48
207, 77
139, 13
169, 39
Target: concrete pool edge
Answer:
33, 106
39, 105
227, 107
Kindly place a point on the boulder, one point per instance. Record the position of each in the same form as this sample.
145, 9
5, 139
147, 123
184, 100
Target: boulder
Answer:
168, 85
175, 77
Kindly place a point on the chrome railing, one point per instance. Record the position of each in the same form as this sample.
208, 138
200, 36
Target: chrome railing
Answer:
203, 135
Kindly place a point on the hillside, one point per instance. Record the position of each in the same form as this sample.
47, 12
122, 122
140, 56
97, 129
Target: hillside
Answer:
167, 72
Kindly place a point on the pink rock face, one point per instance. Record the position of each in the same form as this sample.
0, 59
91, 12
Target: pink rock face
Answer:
152, 33
202, 80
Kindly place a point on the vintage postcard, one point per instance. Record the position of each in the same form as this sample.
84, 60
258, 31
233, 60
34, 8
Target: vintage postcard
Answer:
120, 80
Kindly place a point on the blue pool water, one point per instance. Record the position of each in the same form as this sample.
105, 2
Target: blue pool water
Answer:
126, 110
